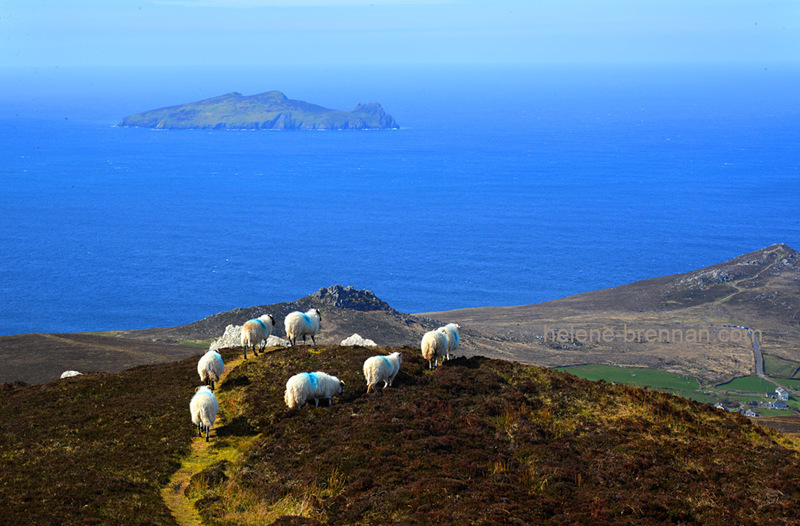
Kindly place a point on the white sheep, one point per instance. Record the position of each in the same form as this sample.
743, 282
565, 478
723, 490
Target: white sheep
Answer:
255, 333
302, 324
203, 407
210, 368
450, 332
377, 368
434, 346
317, 386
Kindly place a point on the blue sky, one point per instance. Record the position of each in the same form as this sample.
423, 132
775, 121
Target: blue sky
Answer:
65, 33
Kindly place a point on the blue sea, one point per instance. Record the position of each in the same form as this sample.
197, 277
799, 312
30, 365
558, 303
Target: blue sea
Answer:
504, 186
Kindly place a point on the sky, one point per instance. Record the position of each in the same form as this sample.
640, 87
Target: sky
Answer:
99, 33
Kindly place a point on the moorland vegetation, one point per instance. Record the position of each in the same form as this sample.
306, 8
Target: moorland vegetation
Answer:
478, 441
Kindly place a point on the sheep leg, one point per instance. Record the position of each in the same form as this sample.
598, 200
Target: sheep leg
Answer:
207, 429
330, 402
314, 340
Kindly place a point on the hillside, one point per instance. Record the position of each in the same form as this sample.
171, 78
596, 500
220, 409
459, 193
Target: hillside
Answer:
266, 111
696, 319
760, 290
477, 442
39, 358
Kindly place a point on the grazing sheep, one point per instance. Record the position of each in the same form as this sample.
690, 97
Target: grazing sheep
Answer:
210, 368
377, 368
255, 332
450, 332
302, 324
316, 386
204, 407
434, 346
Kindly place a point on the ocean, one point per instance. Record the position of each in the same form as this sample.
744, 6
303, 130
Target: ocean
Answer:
504, 186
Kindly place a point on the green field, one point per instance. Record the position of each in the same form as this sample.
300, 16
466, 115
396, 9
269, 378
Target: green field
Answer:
672, 383
748, 384
762, 411
635, 376
774, 366
794, 383
686, 386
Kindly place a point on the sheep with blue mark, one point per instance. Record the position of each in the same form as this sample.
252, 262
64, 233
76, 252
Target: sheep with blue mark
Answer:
304, 387
210, 368
204, 408
302, 324
450, 332
255, 333
377, 368
433, 346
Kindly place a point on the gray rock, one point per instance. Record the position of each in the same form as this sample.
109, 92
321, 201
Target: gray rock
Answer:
357, 341
233, 338
351, 298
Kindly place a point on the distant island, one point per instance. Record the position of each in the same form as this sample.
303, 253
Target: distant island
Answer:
266, 111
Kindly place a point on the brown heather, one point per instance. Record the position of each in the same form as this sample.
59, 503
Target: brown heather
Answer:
478, 441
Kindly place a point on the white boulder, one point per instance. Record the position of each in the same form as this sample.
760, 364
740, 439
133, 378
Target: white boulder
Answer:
357, 341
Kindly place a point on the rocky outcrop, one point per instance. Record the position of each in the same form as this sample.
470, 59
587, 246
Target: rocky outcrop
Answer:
350, 298
233, 338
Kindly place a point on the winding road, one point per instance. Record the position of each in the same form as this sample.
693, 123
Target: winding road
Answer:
760, 364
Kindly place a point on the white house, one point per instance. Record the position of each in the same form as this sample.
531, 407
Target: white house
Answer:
781, 393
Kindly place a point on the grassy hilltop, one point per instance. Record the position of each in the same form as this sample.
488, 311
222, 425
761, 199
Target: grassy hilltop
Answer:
479, 441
